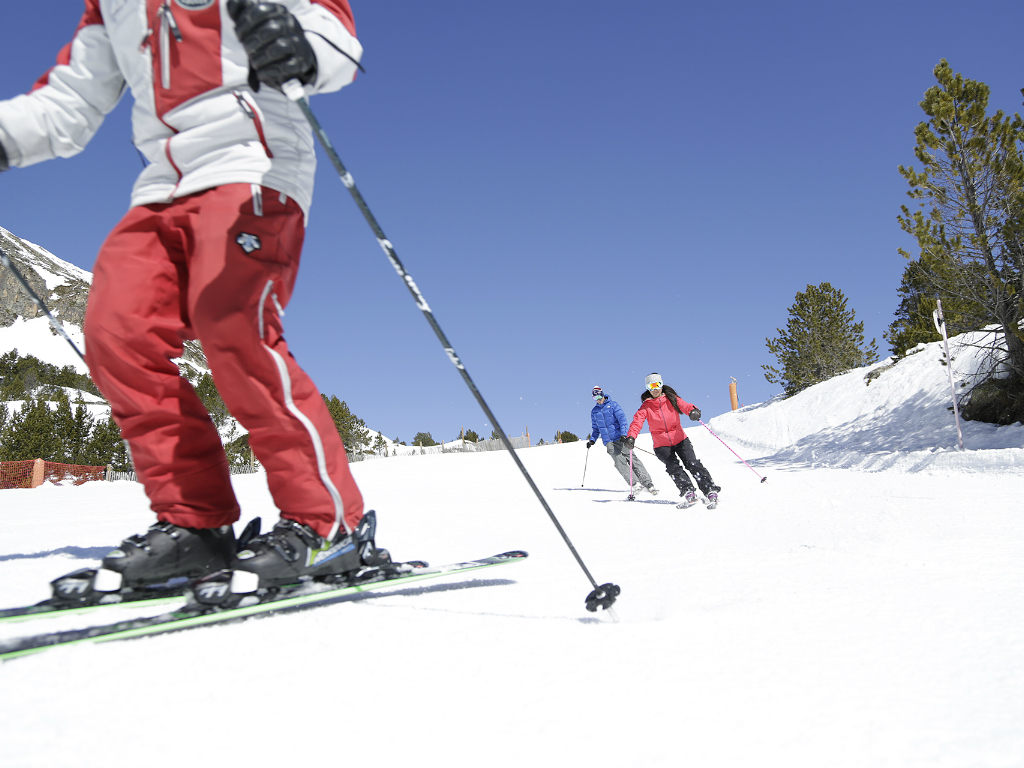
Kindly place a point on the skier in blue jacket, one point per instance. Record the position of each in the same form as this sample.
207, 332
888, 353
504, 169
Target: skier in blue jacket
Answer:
609, 421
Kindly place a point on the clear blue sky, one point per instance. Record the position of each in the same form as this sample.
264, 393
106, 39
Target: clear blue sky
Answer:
584, 191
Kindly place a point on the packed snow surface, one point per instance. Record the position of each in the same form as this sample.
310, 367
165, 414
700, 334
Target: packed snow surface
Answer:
863, 607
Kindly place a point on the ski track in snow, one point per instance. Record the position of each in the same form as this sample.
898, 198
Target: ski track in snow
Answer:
860, 608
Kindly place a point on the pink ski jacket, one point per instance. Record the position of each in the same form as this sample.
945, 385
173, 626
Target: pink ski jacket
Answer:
195, 119
662, 420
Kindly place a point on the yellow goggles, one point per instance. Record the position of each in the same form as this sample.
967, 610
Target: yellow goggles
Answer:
654, 385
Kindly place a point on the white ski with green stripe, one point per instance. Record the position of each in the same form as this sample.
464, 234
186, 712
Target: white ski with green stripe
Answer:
194, 614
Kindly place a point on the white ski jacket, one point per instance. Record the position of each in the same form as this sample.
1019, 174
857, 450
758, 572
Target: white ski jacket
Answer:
195, 118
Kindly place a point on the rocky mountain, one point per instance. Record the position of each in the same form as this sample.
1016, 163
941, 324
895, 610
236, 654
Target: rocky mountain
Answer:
63, 287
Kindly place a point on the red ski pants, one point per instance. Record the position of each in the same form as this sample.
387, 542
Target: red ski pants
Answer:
218, 266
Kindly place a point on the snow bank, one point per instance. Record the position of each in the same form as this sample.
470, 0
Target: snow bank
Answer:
881, 417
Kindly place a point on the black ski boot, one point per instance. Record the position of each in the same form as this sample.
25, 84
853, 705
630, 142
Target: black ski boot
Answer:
293, 552
166, 556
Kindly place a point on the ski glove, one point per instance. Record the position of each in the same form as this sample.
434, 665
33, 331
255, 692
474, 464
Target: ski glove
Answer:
590, 444
695, 414
275, 42
628, 442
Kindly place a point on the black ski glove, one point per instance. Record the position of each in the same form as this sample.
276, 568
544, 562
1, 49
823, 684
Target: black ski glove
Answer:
590, 444
695, 414
628, 442
3, 159
277, 46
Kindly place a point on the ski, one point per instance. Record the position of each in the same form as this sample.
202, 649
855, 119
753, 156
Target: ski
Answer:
203, 610
48, 610
54, 607
684, 504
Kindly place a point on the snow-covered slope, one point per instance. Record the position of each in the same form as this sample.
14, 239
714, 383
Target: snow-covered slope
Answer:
883, 416
828, 617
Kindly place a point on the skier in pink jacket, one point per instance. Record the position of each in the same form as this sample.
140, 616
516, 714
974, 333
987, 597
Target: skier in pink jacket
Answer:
208, 250
661, 408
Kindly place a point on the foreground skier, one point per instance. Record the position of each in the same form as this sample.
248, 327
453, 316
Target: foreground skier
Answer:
208, 250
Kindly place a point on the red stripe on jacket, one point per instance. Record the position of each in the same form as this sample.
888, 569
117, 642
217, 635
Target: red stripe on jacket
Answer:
341, 9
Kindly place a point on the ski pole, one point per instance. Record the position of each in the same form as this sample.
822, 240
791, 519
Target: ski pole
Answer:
54, 323
603, 595
709, 429
631, 495
585, 467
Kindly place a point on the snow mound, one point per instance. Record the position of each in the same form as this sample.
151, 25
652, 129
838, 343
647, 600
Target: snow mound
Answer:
890, 415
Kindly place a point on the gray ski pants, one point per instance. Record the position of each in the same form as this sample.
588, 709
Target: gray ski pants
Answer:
620, 455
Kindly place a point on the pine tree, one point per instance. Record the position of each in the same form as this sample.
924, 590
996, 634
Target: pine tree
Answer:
238, 451
106, 447
352, 429
423, 439
913, 324
565, 437
30, 434
821, 340
471, 437
82, 427
64, 427
207, 391
970, 225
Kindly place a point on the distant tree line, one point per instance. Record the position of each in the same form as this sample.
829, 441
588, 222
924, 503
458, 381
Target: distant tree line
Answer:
55, 426
51, 427
21, 375
47, 426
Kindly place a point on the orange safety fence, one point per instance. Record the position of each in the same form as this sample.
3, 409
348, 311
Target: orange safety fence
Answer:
34, 472
16, 474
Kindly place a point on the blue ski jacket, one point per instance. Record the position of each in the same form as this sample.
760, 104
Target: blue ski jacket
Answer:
608, 420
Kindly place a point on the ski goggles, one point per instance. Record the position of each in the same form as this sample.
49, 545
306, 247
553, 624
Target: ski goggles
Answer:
654, 385
599, 397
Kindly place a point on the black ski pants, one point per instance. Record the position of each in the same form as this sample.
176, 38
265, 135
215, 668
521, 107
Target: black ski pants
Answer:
671, 455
